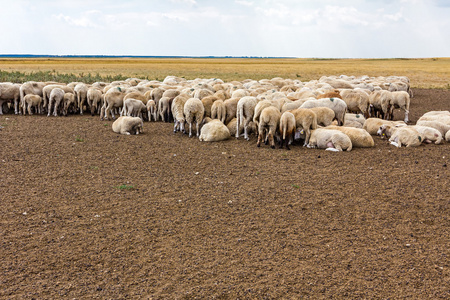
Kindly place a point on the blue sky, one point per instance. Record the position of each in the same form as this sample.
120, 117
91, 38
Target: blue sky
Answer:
318, 28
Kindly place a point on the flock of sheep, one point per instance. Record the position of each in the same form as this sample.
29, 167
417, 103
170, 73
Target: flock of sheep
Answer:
334, 113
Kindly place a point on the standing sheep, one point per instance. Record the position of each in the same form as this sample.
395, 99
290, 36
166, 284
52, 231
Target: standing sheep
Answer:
56, 99
80, 92
151, 110
337, 105
244, 114
94, 99
218, 110
9, 92
134, 108
193, 111
306, 120
287, 129
268, 124
178, 112
69, 103
400, 100
32, 101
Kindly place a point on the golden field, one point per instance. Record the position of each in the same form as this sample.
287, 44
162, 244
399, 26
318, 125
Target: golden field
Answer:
423, 73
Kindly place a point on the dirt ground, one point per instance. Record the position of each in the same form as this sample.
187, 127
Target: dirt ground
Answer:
90, 214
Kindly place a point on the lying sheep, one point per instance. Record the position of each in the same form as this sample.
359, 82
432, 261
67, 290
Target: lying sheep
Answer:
360, 138
305, 120
287, 129
268, 123
232, 125
440, 116
398, 136
355, 117
214, 131
193, 111
329, 139
443, 128
337, 105
244, 113
429, 134
128, 125
33, 101
371, 125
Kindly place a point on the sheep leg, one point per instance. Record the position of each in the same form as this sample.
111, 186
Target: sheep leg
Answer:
271, 140
198, 128
190, 129
237, 125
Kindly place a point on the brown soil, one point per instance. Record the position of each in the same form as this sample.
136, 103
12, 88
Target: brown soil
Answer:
87, 213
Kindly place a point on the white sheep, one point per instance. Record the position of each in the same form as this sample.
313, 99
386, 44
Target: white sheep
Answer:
329, 139
151, 110
398, 136
442, 127
429, 134
46, 90
360, 138
55, 100
231, 109
287, 129
213, 131
69, 103
371, 125
35, 101
356, 118
325, 115
337, 105
29, 87
128, 125
94, 99
440, 116
194, 111
244, 113
357, 101
133, 107
400, 100
378, 104
305, 120
218, 110
259, 108
80, 91
294, 104
178, 112
113, 98
269, 121
232, 125
9, 92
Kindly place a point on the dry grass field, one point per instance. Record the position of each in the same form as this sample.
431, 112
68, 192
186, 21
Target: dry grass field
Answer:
424, 73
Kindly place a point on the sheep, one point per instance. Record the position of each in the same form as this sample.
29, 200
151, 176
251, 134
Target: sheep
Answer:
337, 105
208, 102
355, 118
151, 110
244, 114
287, 129
177, 109
357, 101
306, 120
94, 99
231, 109
9, 91
193, 111
46, 90
268, 125
80, 91
258, 109
294, 104
442, 127
164, 105
218, 110
440, 116
329, 139
69, 103
325, 115
331, 94
429, 134
113, 98
371, 125
214, 131
56, 98
239, 93
400, 100
360, 138
378, 104
128, 125
398, 136
32, 101
232, 125
133, 107
137, 96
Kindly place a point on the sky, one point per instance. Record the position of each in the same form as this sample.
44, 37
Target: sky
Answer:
266, 28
